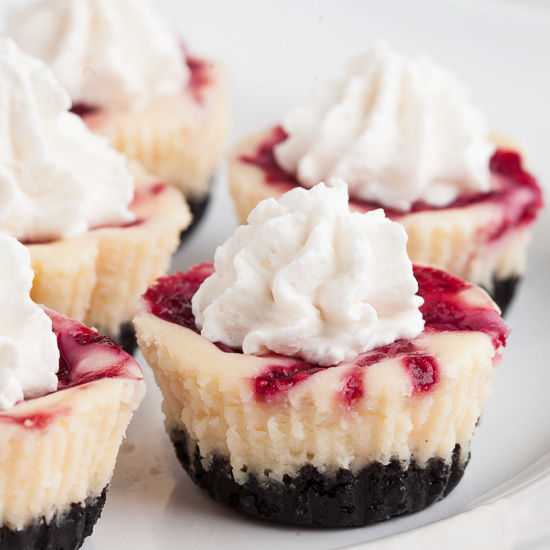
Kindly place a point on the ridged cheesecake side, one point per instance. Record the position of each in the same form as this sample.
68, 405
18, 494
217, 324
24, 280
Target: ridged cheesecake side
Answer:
97, 278
61, 449
178, 137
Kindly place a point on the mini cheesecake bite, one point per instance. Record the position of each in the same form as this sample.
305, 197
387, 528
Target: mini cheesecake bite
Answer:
404, 135
98, 229
313, 375
67, 395
131, 81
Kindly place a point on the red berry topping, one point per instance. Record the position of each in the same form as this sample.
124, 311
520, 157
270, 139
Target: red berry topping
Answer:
170, 297
444, 310
514, 189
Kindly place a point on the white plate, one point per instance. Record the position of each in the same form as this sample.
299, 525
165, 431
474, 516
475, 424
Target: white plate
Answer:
275, 51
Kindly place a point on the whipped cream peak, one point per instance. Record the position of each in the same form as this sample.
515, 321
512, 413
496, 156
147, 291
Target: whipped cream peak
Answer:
113, 54
397, 129
29, 356
308, 278
57, 179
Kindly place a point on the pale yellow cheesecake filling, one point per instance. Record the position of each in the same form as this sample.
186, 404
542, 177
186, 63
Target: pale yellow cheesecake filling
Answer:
209, 394
65, 451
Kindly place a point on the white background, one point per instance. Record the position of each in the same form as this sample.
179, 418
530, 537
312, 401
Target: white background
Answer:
275, 52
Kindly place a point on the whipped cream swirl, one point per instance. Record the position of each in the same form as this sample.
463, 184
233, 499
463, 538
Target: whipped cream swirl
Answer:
113, 54
308, 278
29, 357
396, 129
57, 179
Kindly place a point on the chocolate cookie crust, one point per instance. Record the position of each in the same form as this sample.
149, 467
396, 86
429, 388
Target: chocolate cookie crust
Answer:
504, 291
65, 531
312, 498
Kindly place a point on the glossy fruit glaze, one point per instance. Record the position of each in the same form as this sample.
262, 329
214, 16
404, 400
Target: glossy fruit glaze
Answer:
445, 309
84, 356
199, 78
514, 190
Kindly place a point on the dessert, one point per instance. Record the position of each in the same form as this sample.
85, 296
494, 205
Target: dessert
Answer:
97, 232
305, 379
66, 397
403, 134
131, 80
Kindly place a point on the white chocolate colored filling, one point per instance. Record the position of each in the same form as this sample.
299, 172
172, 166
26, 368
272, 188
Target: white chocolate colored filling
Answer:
209, 394
46, 469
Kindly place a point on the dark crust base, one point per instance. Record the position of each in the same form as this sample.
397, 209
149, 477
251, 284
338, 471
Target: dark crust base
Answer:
345, 499
127, 338
65, 531
503, 291
198, 208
